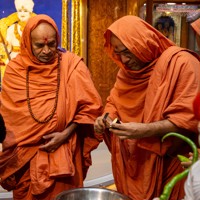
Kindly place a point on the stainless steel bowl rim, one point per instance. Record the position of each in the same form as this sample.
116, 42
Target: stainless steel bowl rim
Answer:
95, 189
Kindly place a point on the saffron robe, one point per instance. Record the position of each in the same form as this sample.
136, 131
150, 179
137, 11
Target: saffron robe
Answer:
24, 168
164, 89
196, 26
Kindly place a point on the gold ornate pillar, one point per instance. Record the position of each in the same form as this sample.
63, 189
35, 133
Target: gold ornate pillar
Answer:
64, 29
74, 26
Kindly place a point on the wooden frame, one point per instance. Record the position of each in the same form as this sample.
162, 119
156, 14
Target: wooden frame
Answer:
174, 21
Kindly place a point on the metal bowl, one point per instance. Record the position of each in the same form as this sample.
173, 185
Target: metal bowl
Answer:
91, 194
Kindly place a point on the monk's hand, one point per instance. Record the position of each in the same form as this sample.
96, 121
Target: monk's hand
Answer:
102, 123
53, 141
129, 130
186, 164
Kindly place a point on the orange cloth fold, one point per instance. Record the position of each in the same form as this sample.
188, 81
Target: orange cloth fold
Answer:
45, 167
196, 26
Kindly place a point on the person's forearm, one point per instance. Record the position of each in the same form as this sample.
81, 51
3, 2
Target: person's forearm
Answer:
69, 130
161, 128
134, 130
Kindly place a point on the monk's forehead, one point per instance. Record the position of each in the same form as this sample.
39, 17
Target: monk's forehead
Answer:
44, 29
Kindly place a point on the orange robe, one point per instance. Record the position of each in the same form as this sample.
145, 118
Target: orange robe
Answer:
196, 26
28, 171
164, 89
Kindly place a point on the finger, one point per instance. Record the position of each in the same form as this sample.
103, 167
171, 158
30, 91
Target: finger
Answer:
123, 137
99, 127
186, 164
108, 120
115, 126
118, 132
49, 136
190, 154
98, 131
101, 124
46, 146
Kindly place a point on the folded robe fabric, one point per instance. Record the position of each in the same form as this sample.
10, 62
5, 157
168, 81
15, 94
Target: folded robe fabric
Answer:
196, 26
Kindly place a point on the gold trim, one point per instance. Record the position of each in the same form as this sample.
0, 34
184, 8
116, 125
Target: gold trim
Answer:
83, 29
68, 24
64, 24
76, 27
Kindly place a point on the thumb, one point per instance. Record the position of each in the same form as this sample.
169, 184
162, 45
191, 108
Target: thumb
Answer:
49, 136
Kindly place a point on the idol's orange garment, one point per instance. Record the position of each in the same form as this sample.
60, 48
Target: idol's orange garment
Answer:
28, 171
164, 89
196, 26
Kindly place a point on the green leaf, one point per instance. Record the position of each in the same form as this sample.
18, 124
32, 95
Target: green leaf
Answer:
183, 158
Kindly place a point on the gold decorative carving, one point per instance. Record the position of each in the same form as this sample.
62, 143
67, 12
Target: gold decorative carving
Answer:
74, 21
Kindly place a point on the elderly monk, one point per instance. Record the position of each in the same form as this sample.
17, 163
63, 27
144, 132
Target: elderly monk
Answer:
152, 96
49, 104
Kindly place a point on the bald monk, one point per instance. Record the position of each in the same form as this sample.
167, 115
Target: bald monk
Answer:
152, 96
49, 104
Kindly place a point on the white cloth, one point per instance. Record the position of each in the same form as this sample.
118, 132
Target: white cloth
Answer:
192, 184
12, 40
28, 4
